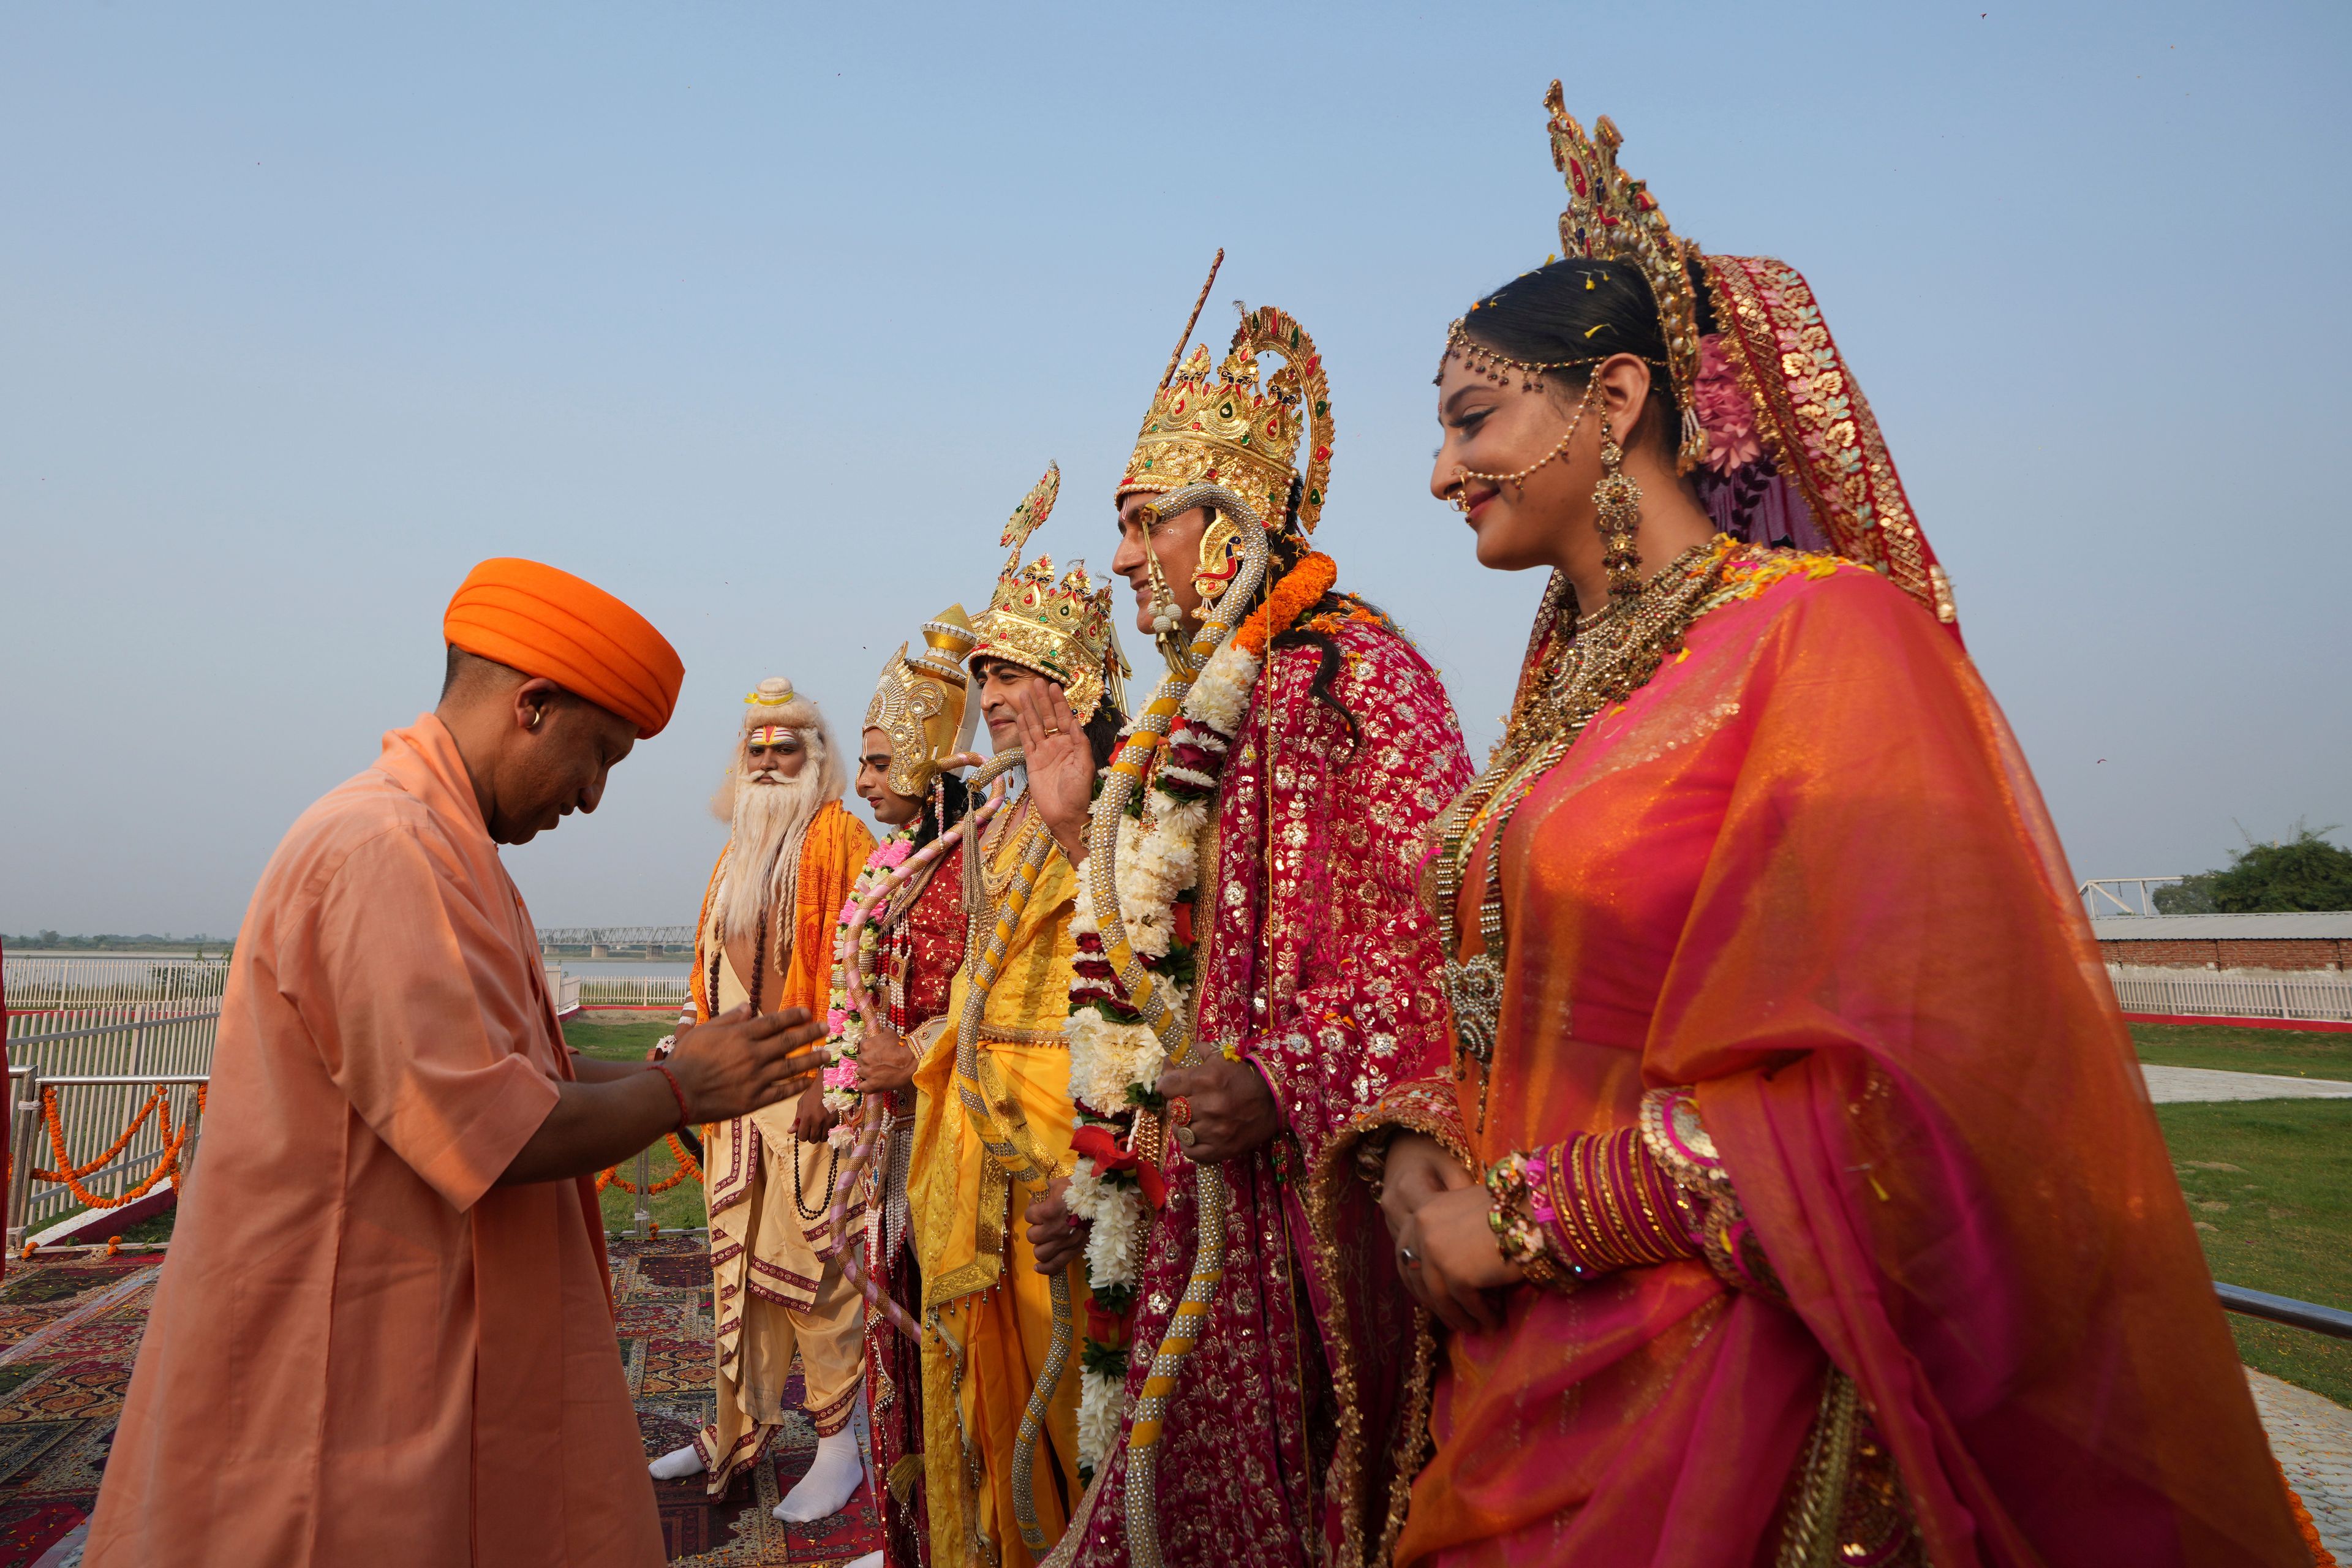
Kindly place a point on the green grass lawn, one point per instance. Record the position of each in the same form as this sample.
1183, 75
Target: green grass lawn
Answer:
2289, 1053
680, 1208
2269, 1184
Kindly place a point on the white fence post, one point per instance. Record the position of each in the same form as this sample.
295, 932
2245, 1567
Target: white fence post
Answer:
2317, 996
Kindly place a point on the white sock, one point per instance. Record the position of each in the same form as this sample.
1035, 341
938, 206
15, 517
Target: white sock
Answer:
871, 1560
676, 1465
832, 1480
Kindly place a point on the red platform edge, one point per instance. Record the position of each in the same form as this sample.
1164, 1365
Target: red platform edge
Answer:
2203, 1021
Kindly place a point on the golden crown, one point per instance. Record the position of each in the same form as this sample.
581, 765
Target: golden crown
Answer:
1063, 630
1231, 433
920, 703
1612, 216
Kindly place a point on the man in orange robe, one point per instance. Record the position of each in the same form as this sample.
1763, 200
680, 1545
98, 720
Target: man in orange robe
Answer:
385, 1335
766, 935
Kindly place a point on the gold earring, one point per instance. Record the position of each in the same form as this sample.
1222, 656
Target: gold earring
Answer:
1617, 513
1220, 544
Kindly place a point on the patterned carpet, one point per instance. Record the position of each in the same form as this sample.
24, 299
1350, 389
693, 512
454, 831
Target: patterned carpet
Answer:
69, 1331
662, 1289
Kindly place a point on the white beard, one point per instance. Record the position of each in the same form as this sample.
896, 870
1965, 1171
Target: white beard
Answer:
763, 854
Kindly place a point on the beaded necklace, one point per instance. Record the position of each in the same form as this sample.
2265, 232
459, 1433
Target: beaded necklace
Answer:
1601, 662
832, 1171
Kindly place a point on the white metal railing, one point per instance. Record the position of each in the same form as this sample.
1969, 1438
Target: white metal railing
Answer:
628, 991
2316, 996
564, 988
105, 1062
46, 982
2105, 896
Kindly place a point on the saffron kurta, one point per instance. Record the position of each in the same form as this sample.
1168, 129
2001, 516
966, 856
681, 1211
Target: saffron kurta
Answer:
362, 1351
1806, 871
971, 1240
1319, 961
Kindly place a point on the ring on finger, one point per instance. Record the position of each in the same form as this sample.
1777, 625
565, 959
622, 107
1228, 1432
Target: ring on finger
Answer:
1409, 1259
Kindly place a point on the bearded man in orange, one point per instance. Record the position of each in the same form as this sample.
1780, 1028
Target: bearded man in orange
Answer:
384, 1334
766, 934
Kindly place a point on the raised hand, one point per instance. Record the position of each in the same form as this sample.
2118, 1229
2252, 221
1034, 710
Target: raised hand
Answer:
1060, 760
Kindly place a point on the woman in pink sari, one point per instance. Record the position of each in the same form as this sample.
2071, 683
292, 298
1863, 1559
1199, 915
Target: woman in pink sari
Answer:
1794, 1196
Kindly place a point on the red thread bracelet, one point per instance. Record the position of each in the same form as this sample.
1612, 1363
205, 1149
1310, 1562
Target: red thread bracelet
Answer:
671, 1079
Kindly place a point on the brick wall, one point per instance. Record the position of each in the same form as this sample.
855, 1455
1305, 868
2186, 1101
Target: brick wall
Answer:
2310, 953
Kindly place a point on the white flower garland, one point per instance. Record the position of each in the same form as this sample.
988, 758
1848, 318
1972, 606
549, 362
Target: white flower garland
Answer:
1113, 1064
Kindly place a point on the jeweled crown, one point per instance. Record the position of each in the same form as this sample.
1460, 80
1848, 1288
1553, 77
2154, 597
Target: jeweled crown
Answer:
1612, 216
1223, 428
921, 700
1062, 629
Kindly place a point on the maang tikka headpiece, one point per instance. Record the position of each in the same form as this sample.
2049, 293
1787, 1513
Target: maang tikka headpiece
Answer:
922, 701
1062, 631
1612, 216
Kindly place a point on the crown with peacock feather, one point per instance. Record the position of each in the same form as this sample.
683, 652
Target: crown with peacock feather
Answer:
1060, 630
1223, 429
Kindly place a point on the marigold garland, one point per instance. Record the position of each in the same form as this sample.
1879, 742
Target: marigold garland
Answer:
2320, 1556
158, 1104
689, 1169
1292, 597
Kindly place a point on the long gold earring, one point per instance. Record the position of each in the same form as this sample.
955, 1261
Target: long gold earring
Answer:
1165, 614
1617, 513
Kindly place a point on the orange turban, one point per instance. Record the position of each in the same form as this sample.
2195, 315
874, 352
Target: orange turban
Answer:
550, 624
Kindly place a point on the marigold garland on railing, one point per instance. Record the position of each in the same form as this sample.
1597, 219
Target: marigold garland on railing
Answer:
689, 1169
158, 1104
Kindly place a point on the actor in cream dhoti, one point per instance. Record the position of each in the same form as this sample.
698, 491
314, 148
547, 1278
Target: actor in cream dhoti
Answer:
765, 932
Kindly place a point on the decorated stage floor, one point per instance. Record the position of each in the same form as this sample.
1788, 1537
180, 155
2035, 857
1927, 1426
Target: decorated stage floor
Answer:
70, 1327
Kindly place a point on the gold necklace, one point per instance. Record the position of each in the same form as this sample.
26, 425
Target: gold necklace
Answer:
992, 882
1617, 657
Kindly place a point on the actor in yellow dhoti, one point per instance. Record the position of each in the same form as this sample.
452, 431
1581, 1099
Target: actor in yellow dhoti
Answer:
766, 930
992, 1123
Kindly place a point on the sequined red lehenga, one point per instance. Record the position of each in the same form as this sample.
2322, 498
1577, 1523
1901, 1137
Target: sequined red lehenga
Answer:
1795, 991
1255, 853
909, 952
923, 946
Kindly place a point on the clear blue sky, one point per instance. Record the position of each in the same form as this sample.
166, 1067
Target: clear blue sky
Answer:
764, 318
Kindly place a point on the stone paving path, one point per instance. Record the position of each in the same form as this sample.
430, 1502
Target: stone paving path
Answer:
2312, 1436
2169, 1086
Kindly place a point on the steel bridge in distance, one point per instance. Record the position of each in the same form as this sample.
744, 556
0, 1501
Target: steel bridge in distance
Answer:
600, 942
